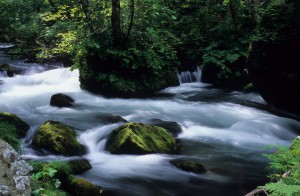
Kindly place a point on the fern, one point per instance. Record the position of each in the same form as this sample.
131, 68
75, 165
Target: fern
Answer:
284, 162
282, 189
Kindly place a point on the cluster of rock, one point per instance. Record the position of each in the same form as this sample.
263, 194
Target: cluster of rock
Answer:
54, 137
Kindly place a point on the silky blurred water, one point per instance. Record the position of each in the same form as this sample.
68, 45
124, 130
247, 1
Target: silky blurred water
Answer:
224, 130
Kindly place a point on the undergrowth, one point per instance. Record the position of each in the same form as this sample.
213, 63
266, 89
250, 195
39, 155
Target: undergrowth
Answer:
284, 169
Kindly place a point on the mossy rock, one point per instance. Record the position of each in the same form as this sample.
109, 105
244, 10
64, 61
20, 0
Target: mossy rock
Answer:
79, 166
189, 166
81, 187
9, 70
21, 126
139, 138
58, 138
249, 88
12, 128
61, 100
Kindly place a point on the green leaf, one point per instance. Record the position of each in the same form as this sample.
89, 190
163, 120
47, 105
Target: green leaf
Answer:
51, 171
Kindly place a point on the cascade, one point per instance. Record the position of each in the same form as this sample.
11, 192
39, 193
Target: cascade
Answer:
223, 130
189, 77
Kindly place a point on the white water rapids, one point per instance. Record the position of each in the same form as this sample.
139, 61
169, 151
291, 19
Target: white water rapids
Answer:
224, 130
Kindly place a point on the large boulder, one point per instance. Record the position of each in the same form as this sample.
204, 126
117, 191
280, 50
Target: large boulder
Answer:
139, 138
14, 173
273, 60
12, 128
61, 100
58, 138
8, 69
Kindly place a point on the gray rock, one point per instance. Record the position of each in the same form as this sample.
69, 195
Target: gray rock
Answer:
14, 174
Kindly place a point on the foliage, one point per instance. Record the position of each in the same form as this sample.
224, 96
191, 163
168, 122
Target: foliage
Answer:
284, 162
45, 179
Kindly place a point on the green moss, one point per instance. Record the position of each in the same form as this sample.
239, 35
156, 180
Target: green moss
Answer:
8, 134
189, 166
82, 187
21, 126
79, 166
58, 138
249, 88
12, 128
138, 138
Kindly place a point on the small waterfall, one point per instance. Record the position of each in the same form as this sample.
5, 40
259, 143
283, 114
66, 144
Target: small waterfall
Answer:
3, 73
6, 45
189, 77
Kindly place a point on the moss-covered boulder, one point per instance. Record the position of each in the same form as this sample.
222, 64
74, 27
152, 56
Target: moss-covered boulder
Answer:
139, 138
81, 187
8, 69
12, 128
61, 100
58, 138
189, 166
79, 166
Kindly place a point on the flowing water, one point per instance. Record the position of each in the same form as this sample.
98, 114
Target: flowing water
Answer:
224, 130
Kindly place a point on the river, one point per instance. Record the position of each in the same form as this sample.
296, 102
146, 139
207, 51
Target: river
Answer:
224, 130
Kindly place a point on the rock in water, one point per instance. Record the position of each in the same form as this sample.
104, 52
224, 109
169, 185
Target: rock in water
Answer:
139, 138
173, 127
8, 69
14, 173
189, 166
58, 138
61, 100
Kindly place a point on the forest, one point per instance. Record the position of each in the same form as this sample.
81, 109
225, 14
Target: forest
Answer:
127, 50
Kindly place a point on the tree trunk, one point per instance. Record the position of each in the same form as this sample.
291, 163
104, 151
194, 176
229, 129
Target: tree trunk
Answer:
233, 7
116, 23
131, 21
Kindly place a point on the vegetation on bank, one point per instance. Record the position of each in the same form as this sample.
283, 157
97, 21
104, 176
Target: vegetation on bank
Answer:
284, 172
134, 47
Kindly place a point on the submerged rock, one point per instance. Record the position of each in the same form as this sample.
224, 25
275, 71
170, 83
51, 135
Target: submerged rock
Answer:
8, 69
189, 166
14, 173
139, 138
110, 118
173, 127
58, 138
61, 100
